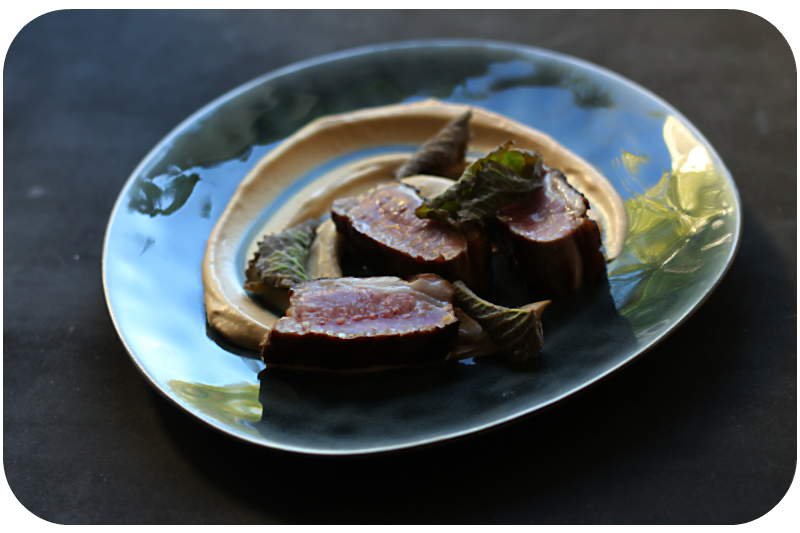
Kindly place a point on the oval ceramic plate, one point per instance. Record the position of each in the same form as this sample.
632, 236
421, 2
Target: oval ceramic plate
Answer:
684, 226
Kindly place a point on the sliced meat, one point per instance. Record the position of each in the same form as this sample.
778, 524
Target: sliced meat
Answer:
364, 324
556, 247
382, 228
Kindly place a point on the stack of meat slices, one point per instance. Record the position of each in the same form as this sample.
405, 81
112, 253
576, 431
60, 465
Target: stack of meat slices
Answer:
556, 247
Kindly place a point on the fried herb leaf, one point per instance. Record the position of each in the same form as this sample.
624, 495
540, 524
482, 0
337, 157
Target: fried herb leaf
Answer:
280, 260
517, 332
441, 152
488, 184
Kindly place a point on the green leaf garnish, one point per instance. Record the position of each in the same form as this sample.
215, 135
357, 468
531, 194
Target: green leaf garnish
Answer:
279, 262
487, 185
517, 332
441, 152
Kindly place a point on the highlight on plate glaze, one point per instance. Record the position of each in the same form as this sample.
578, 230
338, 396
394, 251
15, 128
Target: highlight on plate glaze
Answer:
163, 195
674, 229
233, 404
586, 93
276, 112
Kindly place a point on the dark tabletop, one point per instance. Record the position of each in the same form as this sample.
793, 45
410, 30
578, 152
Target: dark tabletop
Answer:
702, 429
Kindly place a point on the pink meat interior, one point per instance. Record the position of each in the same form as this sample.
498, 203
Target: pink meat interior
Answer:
387, 215
548, 214
360, 311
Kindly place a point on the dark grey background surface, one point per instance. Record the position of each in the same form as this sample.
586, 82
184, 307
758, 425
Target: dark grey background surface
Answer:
700, 430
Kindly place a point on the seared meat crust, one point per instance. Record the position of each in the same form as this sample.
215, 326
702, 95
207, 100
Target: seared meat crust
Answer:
382, 228
364, 324
555, 246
